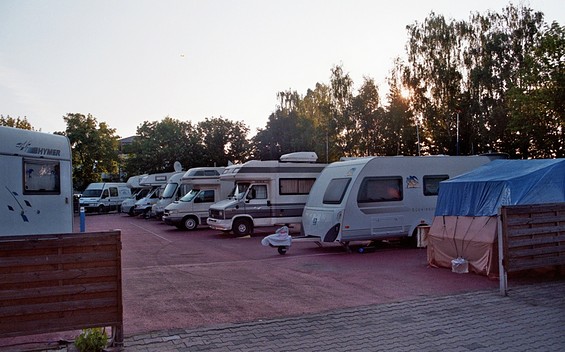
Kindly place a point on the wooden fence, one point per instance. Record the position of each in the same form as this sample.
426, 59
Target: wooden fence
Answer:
530, 237
61, 282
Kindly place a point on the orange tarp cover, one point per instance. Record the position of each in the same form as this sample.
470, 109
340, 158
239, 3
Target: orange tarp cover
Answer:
468, 237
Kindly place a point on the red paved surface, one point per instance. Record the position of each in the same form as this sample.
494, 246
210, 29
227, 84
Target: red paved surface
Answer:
173, 278
179, 279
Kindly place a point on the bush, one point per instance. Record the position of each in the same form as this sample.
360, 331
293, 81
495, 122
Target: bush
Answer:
91, 340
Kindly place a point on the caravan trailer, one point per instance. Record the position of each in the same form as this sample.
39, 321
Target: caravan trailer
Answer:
36, 183
266, 193
376, 198
206, 188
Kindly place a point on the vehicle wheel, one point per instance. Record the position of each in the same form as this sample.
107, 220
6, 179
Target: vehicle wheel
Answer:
101, 209
242, 227
189, 223
282, 250
130, 212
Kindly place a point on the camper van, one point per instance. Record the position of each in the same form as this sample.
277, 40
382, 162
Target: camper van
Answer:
206, 188
137, 191
103, 197
36, 181
380, 197
265, 193
156, 184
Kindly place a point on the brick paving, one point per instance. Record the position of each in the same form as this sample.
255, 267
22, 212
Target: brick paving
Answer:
530, 318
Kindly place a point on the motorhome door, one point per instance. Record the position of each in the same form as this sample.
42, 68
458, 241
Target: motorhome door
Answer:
257, 202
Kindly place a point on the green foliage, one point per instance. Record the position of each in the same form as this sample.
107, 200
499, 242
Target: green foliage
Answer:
94, 148
92, 340
15, 122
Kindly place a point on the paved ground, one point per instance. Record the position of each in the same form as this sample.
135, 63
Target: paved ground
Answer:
203, 290
530, 318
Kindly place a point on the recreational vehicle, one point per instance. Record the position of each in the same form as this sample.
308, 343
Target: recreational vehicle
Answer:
379, 197
206, 188
36, 183
104, 196
265, 193
137, 191
156, 183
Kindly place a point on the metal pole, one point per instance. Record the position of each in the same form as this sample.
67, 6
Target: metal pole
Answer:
82, 220
457, 132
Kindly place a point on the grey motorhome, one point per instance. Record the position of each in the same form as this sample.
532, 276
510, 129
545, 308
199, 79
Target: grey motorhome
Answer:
206, 188
104, 196
379, 197
137, 191
36, 183
157, 183
266, 193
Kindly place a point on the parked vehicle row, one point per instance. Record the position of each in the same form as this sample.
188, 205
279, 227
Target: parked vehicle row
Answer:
357, 199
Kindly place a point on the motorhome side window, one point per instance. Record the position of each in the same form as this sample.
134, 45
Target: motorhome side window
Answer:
336, 190
257, 192
113, 191
380, 189
431, 184
295, 185
41, 177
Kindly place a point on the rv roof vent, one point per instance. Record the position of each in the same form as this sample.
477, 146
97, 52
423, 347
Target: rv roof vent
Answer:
300, 157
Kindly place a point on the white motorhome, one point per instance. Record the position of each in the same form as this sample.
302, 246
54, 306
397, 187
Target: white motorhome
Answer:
156, 183
173, 191
266, 193
376, 198
104, 196
36, 183
137, 191
206, 188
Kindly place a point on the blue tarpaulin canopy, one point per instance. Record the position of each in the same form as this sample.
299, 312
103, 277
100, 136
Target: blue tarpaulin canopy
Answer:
482, 191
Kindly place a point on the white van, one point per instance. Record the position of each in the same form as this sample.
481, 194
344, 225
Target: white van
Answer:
36, 183
266, 193
379, 197
206, 188
103, 197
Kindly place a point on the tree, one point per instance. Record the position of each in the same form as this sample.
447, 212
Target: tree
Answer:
366, 114
94, 148
223, 141
15, 122
341, 126
536, 106
159, 144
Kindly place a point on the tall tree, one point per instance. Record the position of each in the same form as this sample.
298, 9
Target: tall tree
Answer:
315, 108
159, 144
341, 128
223, 141
367, 115
17, 122
537, 105
94, 148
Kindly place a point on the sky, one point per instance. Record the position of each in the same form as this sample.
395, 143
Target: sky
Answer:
129, 61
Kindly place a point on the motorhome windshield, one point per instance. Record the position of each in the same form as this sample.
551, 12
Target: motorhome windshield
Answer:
93, 192
190, 195
170, 190
238, 191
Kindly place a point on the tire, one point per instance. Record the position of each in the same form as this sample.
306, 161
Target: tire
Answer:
189, 223
242, 227
282, 250
130, 212
101, 209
